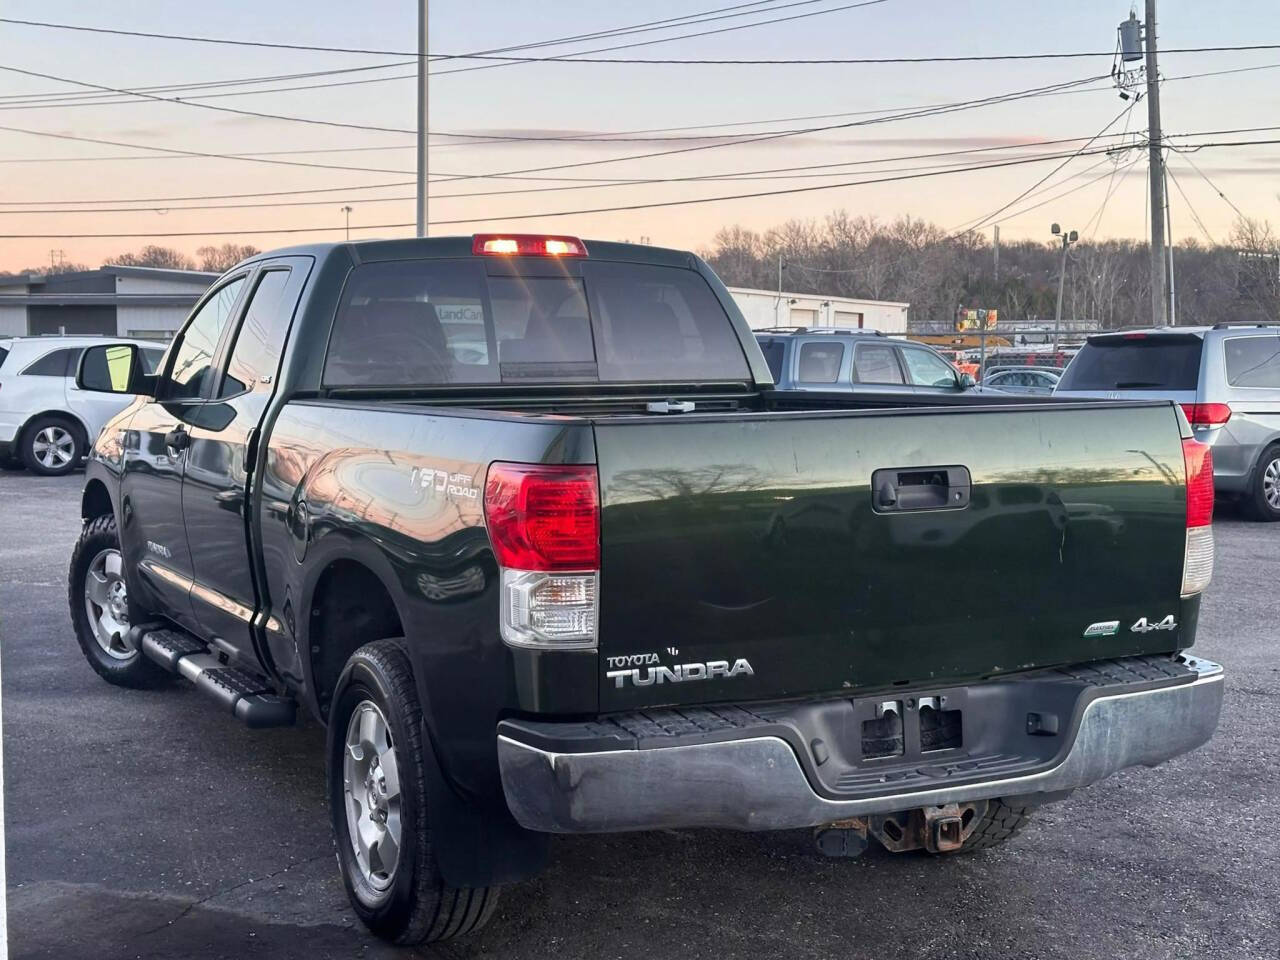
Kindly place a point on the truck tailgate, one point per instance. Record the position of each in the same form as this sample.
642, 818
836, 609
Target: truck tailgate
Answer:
748, 556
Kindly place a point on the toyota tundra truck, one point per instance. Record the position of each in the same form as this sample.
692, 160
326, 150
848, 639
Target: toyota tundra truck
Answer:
524, 521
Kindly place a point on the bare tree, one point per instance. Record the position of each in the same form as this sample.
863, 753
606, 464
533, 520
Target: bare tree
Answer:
155, 256
915, 261
223, 258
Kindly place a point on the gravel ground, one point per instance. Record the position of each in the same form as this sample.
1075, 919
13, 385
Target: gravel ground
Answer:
147, 824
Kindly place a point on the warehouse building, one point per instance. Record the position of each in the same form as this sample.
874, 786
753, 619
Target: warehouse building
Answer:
145, 302
769, 308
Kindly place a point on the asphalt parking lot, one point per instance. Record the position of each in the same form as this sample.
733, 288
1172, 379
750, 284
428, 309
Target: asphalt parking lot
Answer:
147, 824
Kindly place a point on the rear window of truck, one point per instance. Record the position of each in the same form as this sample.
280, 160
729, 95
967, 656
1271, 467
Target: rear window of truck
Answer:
1138, 362
436, 322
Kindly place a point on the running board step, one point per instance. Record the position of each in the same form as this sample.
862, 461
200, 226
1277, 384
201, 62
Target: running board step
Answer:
248, 697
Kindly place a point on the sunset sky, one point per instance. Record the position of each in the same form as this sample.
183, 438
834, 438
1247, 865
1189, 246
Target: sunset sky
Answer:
41, 173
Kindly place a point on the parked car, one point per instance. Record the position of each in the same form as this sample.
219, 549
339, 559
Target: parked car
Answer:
1227, 379
857, 361
46, 422
591, 572
1033, 381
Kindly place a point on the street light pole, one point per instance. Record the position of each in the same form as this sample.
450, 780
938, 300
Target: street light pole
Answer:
1068, 237
422, 118
347, 210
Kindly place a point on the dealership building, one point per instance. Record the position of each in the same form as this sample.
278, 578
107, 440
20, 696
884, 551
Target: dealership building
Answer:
143, 302
772, 308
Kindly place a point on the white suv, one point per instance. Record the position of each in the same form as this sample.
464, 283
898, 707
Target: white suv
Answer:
46, 421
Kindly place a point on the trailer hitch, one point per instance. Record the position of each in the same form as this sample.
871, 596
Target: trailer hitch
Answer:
938, 829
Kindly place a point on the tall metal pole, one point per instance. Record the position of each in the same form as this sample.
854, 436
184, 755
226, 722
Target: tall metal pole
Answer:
1062, 276
422, 118
1156, 171
996, 250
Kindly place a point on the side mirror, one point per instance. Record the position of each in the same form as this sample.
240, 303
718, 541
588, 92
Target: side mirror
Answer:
114, 368
967, 381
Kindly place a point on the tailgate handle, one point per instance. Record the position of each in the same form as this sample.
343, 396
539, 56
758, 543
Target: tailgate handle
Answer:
899, 490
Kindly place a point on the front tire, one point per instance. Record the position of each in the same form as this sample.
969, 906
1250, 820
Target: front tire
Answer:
99, 601
1263, 501
377, 771
52, 446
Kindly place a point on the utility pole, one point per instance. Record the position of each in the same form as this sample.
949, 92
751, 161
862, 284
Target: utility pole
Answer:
1168, 220
347, 210
1068, 237
1156, 172
422, 118
996, 249
777, 304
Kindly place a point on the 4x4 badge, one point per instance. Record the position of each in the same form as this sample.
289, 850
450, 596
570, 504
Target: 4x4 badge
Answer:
1143, 626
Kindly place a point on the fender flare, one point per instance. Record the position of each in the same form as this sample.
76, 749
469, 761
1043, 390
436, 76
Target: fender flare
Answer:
474, 848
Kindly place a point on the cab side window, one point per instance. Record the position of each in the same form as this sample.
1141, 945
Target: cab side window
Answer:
193, 356
256, 354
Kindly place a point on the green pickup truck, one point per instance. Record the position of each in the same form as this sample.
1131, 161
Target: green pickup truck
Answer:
526, 523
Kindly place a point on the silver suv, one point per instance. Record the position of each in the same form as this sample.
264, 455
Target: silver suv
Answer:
1227, 379
856, 361
46, 422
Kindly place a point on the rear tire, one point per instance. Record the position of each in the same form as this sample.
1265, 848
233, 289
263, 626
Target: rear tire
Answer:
1001, 822
1263, 500
99, 606
410, 903
52, 446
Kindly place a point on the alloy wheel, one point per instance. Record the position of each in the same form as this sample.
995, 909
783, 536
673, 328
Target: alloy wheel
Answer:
371, 788
1271, 484
106, 601
54, 446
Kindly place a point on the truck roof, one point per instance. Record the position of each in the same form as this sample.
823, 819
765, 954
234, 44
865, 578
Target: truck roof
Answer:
426, 248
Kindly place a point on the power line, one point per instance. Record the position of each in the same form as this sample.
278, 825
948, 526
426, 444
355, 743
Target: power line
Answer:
1110, 189
778, 135
625, 207
984, 220
367, 51
756, 138
1187, 200
1081, 186
6, 102
749, 176
1213, 186
565, 213
508, 62
589, 181
498, 53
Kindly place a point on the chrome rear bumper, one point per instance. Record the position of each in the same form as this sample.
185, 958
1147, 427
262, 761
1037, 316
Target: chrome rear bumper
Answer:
758, 783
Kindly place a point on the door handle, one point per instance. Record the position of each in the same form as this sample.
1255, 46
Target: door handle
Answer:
897, 490
177, 439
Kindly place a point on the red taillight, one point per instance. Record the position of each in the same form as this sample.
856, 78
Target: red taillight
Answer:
543, 517
526, 245
1199, 460
1207, 414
